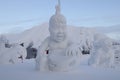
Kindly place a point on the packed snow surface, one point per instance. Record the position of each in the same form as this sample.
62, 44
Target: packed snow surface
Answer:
26, 71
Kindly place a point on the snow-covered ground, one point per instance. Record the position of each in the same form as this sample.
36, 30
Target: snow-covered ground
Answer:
26, 71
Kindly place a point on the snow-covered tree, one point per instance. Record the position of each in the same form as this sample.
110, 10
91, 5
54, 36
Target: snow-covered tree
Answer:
12, 55
4, 42
102, 54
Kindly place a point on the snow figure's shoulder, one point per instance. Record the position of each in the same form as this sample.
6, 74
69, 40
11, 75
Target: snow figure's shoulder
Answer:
45, 43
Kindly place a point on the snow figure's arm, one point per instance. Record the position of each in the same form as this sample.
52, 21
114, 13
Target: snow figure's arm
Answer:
74, 50
41, 59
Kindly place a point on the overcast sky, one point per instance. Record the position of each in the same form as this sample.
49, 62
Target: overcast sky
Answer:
18, 15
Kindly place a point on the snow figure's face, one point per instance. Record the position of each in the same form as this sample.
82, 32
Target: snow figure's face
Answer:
58, 32
57, 27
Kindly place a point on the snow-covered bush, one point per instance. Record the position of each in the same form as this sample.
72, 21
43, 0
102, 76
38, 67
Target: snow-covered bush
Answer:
4, 42
102, 54
117, 55
14, 54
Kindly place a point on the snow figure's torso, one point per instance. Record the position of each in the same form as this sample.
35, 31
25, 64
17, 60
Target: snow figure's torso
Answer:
58, 59
57, 47
58, 62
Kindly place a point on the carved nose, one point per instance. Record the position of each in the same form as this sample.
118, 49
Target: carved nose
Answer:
60, 31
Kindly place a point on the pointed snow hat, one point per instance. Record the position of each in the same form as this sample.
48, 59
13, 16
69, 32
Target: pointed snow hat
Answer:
57, 18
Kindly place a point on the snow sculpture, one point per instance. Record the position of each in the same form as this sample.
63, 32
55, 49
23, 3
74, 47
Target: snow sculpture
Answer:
62, 53
102, 54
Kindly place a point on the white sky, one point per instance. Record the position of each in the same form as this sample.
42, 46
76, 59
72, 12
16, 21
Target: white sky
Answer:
18, 15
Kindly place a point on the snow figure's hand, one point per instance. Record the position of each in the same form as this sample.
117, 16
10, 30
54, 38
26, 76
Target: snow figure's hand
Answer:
73, 50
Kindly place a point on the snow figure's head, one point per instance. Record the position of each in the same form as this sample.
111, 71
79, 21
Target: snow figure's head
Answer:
57, 26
